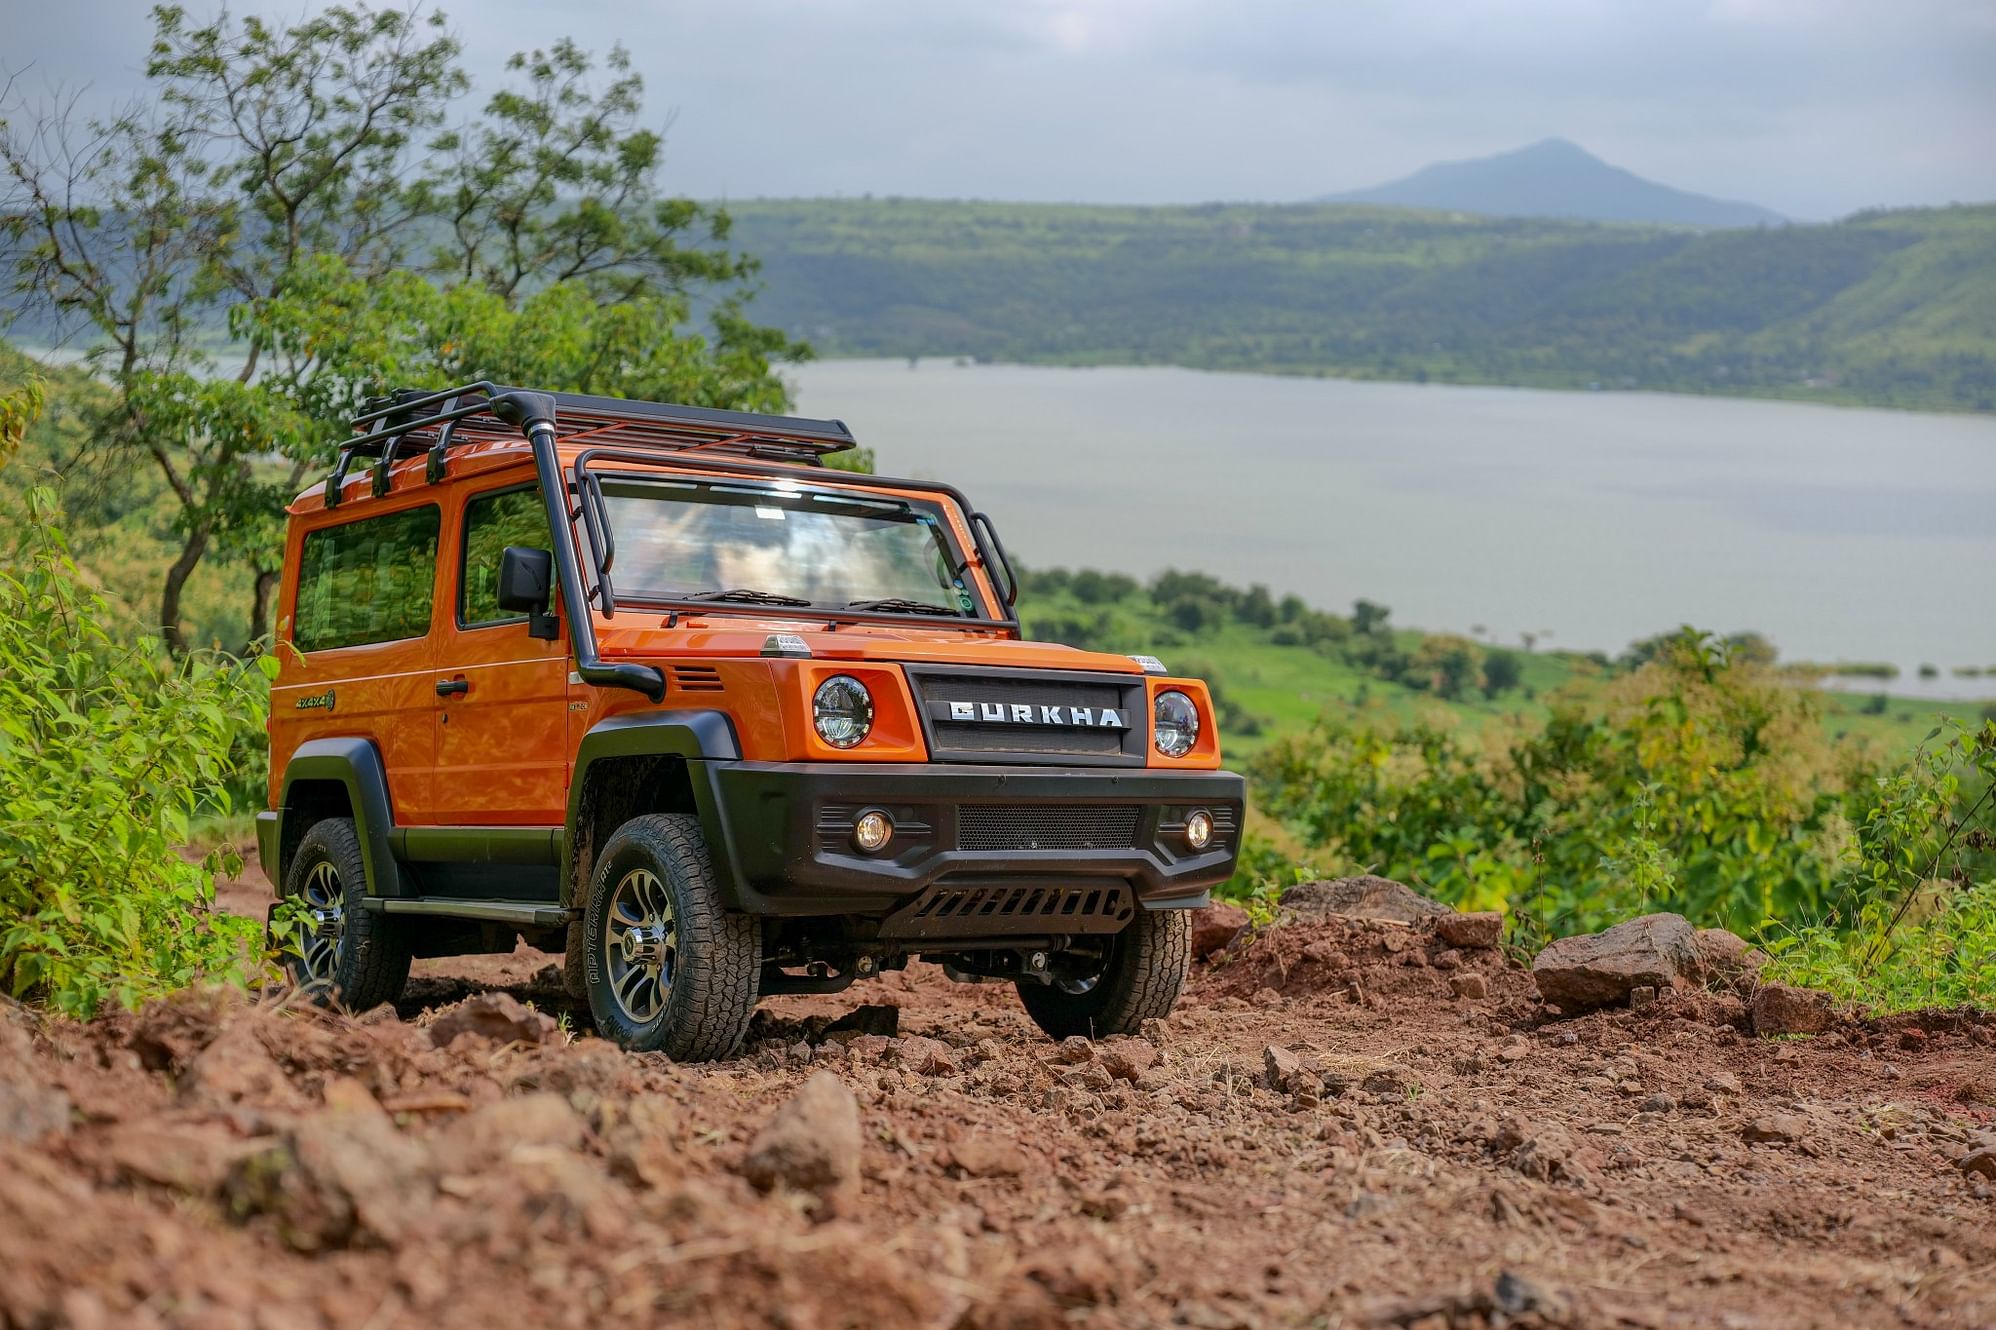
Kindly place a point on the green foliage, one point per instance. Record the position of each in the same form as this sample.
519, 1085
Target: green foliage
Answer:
107, 755
1944, 958
1699, 783
1888, 308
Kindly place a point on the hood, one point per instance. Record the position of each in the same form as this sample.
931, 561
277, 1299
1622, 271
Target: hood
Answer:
643, 636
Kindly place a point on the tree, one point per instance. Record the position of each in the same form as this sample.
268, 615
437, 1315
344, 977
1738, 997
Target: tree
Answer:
1368, 618
1502, 671
1448, 664
279, 163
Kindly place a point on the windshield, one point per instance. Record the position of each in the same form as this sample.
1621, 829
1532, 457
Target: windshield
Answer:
782, 545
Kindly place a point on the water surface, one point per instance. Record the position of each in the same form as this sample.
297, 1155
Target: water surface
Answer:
1587, 519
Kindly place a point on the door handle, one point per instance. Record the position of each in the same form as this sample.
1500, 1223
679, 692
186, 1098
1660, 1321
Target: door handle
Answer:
445, 687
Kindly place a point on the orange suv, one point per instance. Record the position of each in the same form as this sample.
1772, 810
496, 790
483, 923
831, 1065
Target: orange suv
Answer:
654, 685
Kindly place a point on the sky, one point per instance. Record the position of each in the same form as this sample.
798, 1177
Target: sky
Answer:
1815, 108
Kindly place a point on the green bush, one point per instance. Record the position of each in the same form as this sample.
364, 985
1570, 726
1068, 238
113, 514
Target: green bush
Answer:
108, 752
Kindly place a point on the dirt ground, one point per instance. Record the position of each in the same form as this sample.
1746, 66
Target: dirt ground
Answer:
1324, 1134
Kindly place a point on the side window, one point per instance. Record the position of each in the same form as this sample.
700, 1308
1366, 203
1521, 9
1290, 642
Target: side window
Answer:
367, 581
491, 523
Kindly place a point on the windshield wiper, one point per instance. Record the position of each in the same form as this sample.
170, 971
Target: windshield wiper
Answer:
896, 605
749, 596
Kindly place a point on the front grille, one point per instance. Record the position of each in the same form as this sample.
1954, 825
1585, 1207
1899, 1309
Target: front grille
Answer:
1024, 904
1046, 827
1062, 692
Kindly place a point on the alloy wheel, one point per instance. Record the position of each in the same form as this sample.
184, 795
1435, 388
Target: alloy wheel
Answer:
642, 944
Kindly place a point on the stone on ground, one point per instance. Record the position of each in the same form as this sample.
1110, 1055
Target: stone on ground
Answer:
1599, 969
495, 1016
1366, 897
1215, 926
1479, 930
1784, 1009
811, 1143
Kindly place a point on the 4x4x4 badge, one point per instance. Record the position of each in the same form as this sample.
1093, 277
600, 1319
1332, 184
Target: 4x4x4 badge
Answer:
315, 701
1021, 713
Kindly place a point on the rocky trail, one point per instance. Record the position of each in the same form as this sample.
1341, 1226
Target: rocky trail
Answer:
1349, 1122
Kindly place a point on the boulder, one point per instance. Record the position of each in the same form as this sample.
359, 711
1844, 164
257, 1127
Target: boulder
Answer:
1777, 1129
1215, 926
29, 1111
1286, 1071
1365, 897
1599, 969
1784, 1009
811, 1143
1720, 958
495, 1016
1479, 930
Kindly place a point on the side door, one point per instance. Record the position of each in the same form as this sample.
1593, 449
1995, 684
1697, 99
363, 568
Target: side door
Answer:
358, 641
501, 695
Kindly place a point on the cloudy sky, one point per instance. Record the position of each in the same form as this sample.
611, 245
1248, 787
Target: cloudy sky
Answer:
1815, 108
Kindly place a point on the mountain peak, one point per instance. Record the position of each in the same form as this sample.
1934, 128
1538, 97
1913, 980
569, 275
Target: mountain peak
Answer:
1556, 177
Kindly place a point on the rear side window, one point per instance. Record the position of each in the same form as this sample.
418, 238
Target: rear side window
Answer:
367, 581
491, 523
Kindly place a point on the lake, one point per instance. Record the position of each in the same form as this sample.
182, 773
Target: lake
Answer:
1587, 519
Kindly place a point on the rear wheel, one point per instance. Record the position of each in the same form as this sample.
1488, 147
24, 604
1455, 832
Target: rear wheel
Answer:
1136, 978
668, 969
339, 952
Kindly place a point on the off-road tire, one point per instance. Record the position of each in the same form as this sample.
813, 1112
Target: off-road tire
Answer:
717, 953
372, 965
1140, 981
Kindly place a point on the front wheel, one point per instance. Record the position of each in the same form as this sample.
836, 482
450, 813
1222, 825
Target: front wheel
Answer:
1136, 978
668, 968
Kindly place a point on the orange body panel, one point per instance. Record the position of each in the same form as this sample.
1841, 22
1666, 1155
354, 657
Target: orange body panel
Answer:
501, 752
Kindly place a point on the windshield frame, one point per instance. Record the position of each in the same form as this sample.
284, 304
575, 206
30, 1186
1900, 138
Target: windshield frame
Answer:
950, 505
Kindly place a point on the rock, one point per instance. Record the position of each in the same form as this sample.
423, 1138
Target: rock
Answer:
871, 1019
1783, 1009
485, 1137
1720, 958
1128, 1059
186, 1157
1468, 984
1776, 1129
925, 1056
28, 1111
1658, 1103
1597, 969
811, 1143
986, 1157
1912, 1039
1366, 897
1642, 995
236, 1068
1075, 1049
495, 1016
1478, 931
336, 1179
1980, 1162
1286, 1072
1215, 926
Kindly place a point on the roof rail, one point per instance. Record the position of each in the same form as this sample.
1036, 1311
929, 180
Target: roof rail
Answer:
463, 415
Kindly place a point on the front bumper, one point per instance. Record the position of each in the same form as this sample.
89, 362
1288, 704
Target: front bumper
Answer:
788, 848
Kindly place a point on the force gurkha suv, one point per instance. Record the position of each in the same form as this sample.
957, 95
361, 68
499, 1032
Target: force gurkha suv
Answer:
653, 684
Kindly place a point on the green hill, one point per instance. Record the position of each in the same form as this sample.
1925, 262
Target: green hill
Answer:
1894, 309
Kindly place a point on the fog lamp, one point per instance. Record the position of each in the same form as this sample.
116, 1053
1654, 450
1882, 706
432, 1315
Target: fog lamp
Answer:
1199, 829
871, 830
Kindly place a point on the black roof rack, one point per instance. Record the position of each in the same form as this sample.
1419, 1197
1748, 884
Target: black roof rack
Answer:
408, 419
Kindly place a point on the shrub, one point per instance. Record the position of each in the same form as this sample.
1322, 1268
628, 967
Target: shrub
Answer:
107, 753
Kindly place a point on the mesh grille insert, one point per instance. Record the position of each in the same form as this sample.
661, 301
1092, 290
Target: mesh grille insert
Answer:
1047, 827
1052, 903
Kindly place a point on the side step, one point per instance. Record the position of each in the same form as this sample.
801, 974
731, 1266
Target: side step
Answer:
524, 914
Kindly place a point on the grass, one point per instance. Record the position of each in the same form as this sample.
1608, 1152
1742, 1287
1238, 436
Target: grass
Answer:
1942, 957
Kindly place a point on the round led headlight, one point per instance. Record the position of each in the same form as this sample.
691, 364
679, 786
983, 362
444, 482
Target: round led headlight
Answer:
1199, 829
1175, 724
842, 710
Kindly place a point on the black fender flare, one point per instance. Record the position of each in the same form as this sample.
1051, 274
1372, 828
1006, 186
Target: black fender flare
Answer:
696, 736
355, 763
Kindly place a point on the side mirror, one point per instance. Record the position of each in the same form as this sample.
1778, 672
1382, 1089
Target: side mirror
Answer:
526, 579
